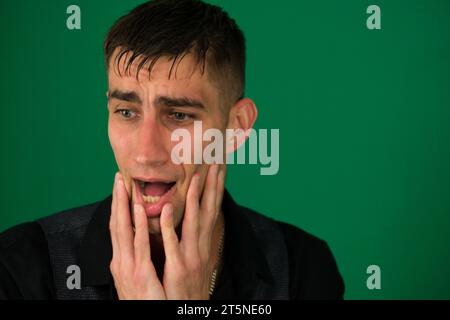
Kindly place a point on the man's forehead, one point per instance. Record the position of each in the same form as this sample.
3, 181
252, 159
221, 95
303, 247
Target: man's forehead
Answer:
183, 67
184, 75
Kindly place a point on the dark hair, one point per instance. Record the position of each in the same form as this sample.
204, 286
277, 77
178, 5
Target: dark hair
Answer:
175, 28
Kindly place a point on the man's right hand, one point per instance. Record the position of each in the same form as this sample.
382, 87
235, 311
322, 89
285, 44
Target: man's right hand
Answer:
134, 274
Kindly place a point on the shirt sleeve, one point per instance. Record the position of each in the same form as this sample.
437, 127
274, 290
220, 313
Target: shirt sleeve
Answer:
8, 288
314, 274
25, 269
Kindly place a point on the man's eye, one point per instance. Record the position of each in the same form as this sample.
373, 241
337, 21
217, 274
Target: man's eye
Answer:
127, 114
180, 116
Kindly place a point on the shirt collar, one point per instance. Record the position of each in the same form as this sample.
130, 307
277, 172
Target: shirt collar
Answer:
242, 251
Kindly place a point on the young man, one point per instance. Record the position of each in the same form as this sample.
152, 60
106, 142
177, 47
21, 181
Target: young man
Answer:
170, 230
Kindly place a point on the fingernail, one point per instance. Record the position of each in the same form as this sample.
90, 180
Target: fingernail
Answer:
118, 177
136, 207
168, 208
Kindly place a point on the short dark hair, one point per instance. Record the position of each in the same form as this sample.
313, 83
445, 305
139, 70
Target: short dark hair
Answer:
175, 28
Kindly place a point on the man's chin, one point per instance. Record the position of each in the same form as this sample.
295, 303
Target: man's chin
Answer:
153, 223
154, 226
154, 220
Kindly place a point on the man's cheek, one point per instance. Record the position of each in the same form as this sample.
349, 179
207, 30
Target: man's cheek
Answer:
122, 151
118, 137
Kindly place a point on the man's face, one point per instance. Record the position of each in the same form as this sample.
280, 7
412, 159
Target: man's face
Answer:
143, 113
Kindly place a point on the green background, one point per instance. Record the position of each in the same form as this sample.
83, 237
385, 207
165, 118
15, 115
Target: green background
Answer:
363, 118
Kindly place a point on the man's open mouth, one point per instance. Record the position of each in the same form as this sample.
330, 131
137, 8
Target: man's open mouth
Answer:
153, 191
154, 194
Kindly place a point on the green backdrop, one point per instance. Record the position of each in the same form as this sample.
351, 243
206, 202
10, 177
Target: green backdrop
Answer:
363, 118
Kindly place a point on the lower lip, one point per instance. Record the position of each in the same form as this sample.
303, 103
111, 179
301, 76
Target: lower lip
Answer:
154, 209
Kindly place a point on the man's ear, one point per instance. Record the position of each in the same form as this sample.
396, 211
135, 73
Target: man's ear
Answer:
241, 119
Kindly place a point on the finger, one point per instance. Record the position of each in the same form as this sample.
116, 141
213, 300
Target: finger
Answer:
141, 237
189, 233
208, 202
113, 220
220, 189
170, 238
124, 228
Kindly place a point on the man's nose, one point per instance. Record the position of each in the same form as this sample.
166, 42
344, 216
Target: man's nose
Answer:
151, 147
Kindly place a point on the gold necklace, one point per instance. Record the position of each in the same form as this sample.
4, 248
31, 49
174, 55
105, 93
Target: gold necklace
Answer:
212, 283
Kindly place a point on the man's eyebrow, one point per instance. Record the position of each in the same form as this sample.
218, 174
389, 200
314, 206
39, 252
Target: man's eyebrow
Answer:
129, 96
165, 101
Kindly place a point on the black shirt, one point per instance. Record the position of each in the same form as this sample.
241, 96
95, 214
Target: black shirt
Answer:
26, 272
